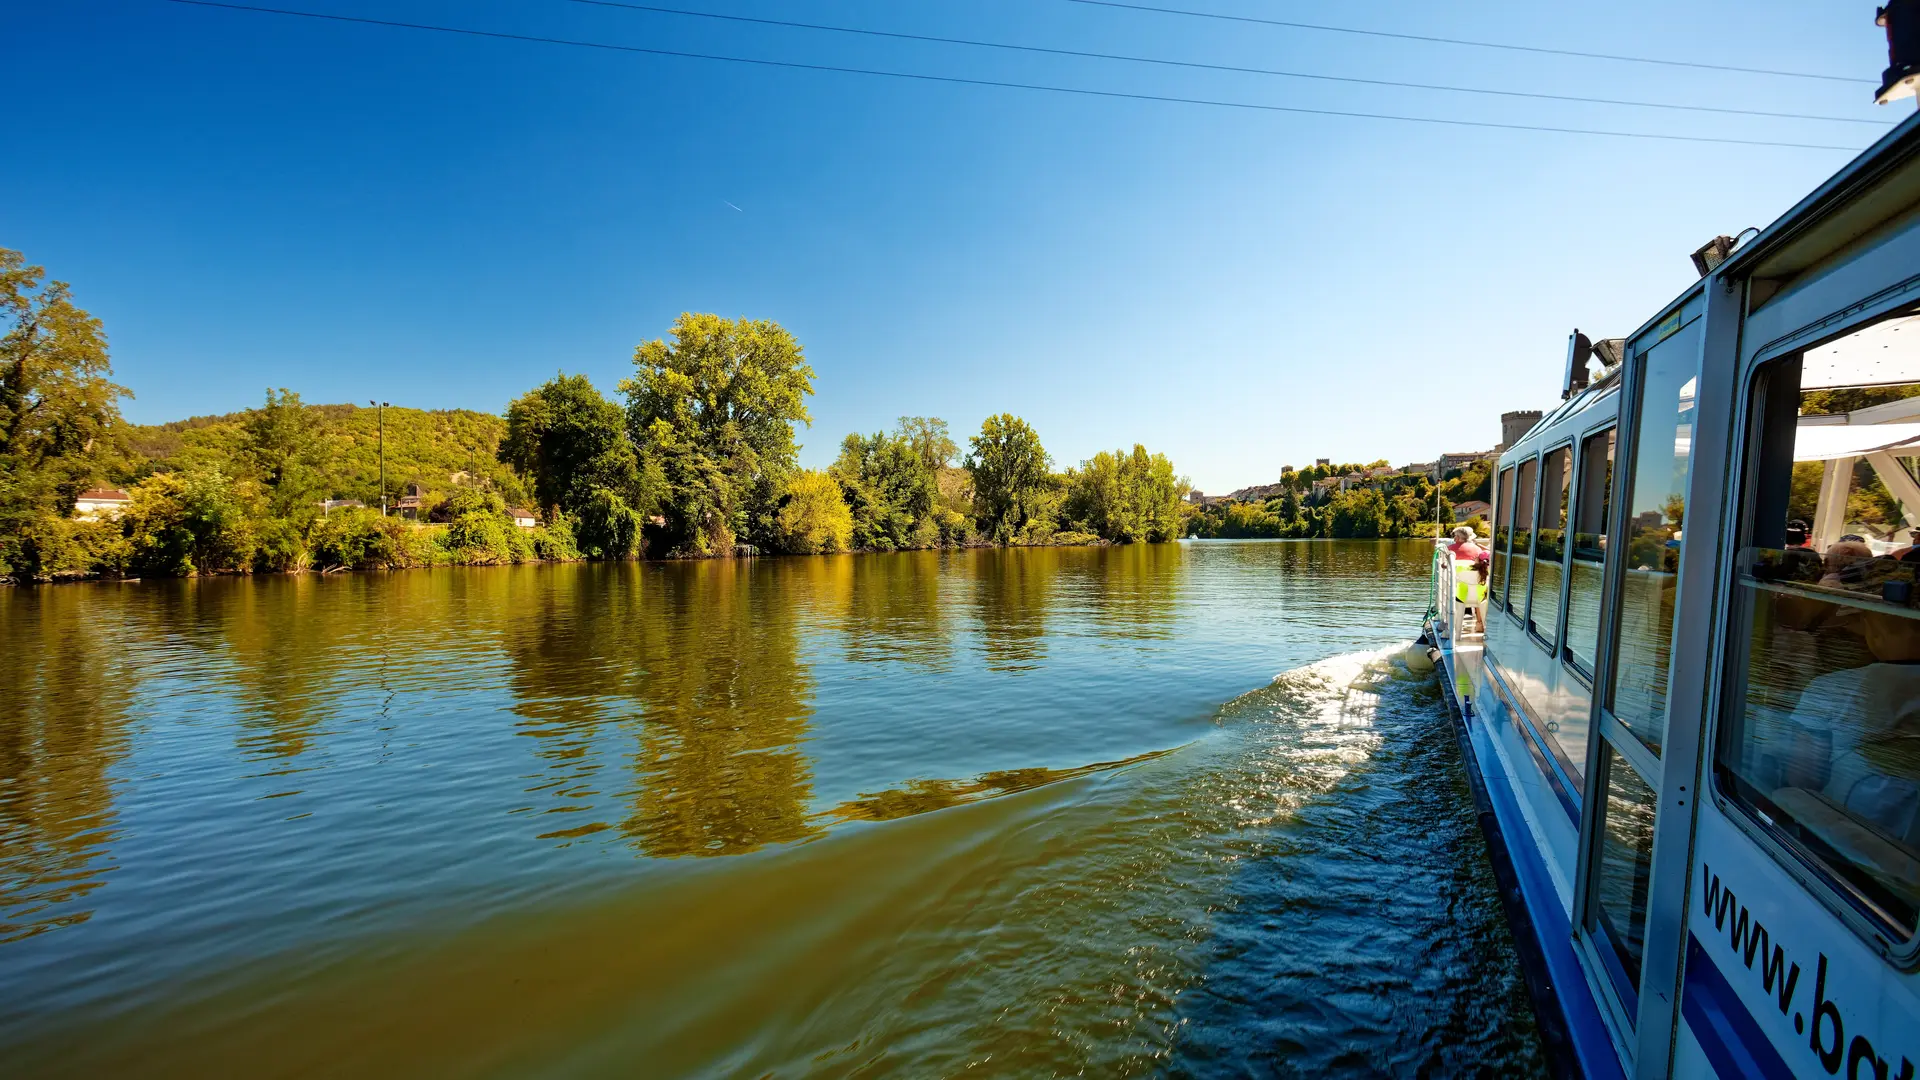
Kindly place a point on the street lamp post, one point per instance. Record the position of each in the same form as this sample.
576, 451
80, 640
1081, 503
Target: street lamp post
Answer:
380, 413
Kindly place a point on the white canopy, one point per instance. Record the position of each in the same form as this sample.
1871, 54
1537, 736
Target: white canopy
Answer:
1886, 352
1823, 442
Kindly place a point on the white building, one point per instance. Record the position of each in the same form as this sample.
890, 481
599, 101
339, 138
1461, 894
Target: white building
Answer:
95, 504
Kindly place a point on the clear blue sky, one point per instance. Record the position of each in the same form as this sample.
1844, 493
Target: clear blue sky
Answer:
351, 211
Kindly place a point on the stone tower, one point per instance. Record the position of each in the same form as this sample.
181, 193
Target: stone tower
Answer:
1515, 425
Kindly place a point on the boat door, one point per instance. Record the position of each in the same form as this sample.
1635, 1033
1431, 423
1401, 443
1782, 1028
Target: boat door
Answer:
1632, 749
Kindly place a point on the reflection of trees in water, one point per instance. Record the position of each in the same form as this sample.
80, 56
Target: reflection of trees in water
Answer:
1133, 590
925, 796
727, 703
1012, 598
283, 646
572, 636
700, 661
66, 687
890, 607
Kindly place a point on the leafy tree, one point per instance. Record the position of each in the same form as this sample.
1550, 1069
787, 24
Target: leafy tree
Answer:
1358, 514
606, 527
890, 491
814, 518
186, 523
929, 438
573, 442
56, 404
1126, 498
1011, 482
284, 444
714, 411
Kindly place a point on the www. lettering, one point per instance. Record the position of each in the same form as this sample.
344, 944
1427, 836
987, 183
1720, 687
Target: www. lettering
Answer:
1826, 1035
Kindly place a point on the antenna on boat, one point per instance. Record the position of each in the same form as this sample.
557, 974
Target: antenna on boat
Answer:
1902, 20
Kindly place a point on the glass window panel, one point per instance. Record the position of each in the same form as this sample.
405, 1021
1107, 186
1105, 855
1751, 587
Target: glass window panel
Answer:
1656, 512
1589, 554
1550, 544
1520, 572
1625, 860
1502, 536
1822, 732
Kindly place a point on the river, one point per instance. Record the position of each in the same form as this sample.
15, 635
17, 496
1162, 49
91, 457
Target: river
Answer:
1156, 810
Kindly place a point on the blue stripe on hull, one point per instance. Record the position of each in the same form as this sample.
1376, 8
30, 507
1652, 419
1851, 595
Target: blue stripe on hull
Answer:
1545, 921
1731, 1038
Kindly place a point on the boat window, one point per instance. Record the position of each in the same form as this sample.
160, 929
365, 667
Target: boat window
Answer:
1550, 545
1625, 860
1821, 734
1656, 509
1519, 572
1502, 536
1592, 495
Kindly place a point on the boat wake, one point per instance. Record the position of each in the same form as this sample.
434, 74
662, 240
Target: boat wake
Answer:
1302, 891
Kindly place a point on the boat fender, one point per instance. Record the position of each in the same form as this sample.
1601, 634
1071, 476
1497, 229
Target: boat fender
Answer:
1420, 661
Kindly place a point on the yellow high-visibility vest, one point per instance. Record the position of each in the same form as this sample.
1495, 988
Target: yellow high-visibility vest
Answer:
1467, 586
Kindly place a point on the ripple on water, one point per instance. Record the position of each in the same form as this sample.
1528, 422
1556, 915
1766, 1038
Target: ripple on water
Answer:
1303, 892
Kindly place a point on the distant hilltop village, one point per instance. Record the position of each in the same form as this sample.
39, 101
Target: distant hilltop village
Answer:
1513, 427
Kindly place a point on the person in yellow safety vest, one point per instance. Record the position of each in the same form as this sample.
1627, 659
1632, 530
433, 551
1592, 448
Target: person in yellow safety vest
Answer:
1470, 566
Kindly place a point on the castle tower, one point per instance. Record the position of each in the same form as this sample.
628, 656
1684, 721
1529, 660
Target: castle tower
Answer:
1515, 425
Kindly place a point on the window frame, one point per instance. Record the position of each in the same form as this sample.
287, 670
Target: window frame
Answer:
1567, 659
1899, 945
1501, 550
1552, 648
1520, 467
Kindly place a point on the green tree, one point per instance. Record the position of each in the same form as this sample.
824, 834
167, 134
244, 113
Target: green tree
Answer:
1011, 481
284, 443
1358, 514
929, 438
186, 523
573, 443
814, 518
57, 402
714, 411
890, 491
1126, 497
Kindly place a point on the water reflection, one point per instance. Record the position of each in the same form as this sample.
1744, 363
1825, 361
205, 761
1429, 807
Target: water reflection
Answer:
1012, 599
925, 796
65, 730
890, 608
1135, 592
695, 669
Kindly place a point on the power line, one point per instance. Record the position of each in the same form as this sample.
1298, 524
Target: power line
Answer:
900, 36
963, 81
1476, 44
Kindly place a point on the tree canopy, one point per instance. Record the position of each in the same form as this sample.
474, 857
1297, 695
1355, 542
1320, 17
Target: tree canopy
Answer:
57, 402
1011, 478
714, 411
572, 442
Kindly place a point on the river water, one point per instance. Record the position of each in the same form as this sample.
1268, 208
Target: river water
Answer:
1155, 810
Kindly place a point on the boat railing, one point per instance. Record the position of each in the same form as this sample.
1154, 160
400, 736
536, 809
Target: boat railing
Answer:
1458, 591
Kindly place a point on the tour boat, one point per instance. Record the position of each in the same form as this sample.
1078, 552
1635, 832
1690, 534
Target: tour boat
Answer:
1690, 701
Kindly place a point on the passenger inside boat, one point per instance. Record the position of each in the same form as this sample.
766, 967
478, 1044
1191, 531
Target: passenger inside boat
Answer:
1822, 743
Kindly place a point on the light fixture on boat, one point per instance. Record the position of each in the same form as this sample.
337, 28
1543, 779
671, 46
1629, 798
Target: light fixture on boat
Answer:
1902, 20
1712, 254
1579, 351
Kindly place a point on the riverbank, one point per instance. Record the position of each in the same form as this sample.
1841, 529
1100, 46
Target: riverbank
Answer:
432, 554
